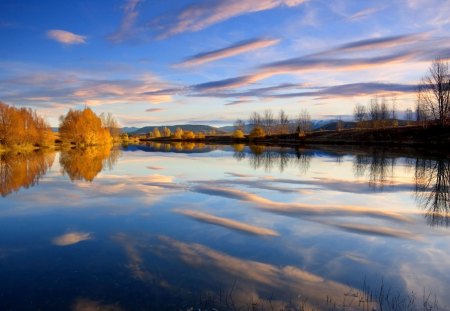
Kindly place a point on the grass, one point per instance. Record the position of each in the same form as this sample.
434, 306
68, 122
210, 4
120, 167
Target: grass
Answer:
366, 299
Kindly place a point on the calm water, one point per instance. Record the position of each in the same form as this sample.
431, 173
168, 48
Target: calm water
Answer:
173, 227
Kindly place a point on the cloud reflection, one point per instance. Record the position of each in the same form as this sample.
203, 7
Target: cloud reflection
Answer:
71, 238
228, 223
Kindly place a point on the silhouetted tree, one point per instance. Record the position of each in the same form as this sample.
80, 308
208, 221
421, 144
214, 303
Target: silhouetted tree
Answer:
434, 91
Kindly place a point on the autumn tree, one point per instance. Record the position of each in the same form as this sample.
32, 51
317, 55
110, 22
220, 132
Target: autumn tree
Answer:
83, 128
178, 133
156, 133
23, 127
166, 132
434, 91
257, 131
238, 134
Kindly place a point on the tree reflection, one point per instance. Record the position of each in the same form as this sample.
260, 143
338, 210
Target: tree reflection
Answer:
433, 190
23, 170
86, 163
378, 166
269, 157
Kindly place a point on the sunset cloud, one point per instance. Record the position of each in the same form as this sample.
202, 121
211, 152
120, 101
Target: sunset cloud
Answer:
65, 37
232, 50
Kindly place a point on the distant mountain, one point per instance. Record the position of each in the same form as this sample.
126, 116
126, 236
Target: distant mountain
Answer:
129, 129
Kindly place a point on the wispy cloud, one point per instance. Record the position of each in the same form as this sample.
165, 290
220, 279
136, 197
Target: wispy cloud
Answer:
126, 27
298, 208
228, 223
65, 37
201, 15
232, 50
362, 14
400, 49
154, 110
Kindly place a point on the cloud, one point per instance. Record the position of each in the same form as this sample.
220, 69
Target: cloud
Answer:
201, 15
228, 223
126, 27
65, 37
71, 238
378, 231
154, 110
232, 50
62, 88
400, 49
257, 278
299, 208
362, 14
353, 89
83, 304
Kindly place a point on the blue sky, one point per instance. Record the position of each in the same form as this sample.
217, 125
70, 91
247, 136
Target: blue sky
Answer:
152, 62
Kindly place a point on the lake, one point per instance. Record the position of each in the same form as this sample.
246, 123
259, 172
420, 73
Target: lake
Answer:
191, 226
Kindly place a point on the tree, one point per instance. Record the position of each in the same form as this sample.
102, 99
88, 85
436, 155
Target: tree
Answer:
409, 115
283, 120
238, 134
304, 122
178, 133
434, 92
255, 120
359, 113
23, 126
83, 127
239, 125
166, 132
257, 132
110, 123
156, 132
188, 135
268, 121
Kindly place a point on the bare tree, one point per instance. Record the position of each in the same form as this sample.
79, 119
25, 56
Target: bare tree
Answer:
283, 120
409, 115
255, 120
360, 114
239, 125
304, 122
268, 121
434, 91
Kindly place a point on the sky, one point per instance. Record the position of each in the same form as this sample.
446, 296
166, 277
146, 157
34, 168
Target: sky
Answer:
156, 62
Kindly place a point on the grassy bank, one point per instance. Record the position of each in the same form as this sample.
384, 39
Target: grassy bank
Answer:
394, 136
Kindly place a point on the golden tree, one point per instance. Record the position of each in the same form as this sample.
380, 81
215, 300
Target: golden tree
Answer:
84, 128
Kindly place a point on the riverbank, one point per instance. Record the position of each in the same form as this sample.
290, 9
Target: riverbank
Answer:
393, 136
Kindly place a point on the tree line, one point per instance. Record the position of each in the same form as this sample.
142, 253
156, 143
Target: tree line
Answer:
179, 134
267, 123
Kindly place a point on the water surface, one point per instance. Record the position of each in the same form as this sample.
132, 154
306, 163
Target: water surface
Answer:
170, 227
